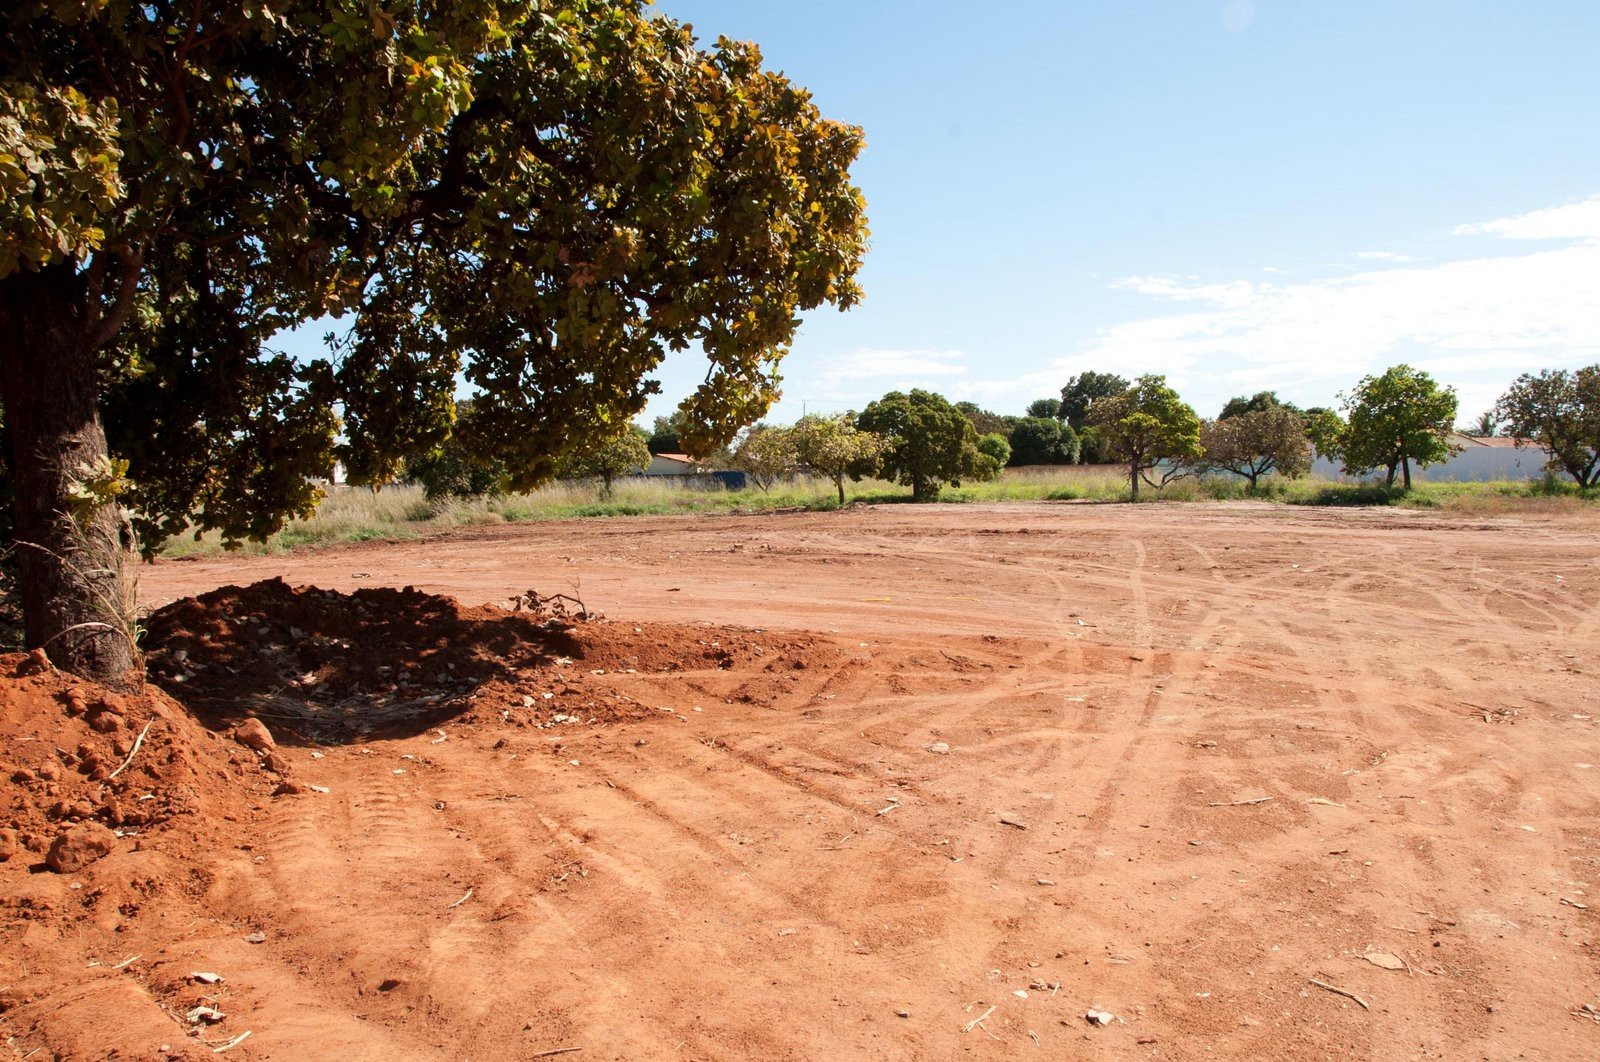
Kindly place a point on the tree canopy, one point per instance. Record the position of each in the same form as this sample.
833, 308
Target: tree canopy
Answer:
533, 201
765, 453
1147, 426
1043, 441
1083, 391
1559, 412
930, 442
1257, 442
1049, 408
832, 446
1400, 417
1259, 402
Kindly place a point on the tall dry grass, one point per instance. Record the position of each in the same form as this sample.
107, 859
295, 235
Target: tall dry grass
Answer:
356, 514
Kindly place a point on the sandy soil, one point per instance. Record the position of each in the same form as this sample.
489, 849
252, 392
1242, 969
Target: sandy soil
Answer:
921, 765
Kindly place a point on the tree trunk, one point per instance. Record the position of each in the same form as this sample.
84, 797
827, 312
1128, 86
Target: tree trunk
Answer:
1133, 477
839, 482
74, 565
1405, 465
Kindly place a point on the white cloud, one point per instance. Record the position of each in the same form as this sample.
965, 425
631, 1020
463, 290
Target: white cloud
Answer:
869, 372
1385, 256
873, 364
1573, 221
1475, 323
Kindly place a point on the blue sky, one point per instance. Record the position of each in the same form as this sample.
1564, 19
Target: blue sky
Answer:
1241, 194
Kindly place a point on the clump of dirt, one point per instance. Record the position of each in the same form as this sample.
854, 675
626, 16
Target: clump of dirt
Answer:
326, 667
72, 753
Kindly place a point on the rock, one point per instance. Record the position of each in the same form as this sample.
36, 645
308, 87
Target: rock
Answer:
10, 843
1098, 1017
80, 846
209, 1015
72, 811
205, 978
939, 748
35, 663
257, 937
276, 763
1385, 960
253, 734
105, 722
902, 1014
289, 787
389, 984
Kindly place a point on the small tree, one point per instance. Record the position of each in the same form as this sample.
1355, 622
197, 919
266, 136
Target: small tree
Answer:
1094, 446
607, 460
1253, 444
765, 453
834, 447
1147, 426
663, 436
451, 471
993, 454
1395, 419
1043, 441
1486, 426
931, 442
1559, 412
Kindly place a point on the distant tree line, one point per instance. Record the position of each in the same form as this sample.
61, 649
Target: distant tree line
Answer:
1391, 423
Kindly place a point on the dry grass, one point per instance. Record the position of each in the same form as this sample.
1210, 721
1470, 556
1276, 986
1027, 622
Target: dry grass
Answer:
356, 514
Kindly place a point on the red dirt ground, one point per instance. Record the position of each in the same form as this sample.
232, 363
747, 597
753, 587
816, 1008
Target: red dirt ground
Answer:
713, 826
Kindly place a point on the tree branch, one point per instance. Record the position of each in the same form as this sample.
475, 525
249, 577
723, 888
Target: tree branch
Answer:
112, 320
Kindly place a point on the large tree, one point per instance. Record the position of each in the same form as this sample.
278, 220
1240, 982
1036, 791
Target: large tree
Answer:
931, 442
1255, 443
1393, 420
1148, 426
1559, 412
531, 200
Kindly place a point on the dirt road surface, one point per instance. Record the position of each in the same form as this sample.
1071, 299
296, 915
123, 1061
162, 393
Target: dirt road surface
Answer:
1256, 782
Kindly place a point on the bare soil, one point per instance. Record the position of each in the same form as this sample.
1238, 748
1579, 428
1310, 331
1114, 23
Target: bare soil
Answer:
834, 786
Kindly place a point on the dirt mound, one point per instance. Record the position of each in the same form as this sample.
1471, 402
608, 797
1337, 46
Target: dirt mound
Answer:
327, 667
73, 753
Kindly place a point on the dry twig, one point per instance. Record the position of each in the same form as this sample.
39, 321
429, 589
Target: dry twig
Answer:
461, 901
235, 1042
1339, 992
1237, 803
975, 1022
134, 752
555, 1051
